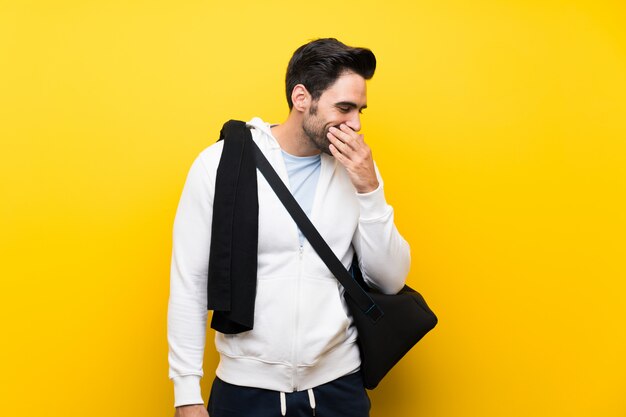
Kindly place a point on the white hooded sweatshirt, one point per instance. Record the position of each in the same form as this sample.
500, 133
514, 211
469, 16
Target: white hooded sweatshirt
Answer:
303, 334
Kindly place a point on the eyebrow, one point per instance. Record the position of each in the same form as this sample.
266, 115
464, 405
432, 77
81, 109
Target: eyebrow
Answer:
350, 104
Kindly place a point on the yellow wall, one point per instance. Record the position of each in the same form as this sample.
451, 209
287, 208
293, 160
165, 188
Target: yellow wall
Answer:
500, 130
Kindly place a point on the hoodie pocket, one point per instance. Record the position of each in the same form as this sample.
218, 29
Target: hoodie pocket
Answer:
324, 322
271, 338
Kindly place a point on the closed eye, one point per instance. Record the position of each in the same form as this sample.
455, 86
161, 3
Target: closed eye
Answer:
346, 107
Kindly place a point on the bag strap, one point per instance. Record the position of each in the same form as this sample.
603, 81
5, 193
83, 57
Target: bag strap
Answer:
354, 290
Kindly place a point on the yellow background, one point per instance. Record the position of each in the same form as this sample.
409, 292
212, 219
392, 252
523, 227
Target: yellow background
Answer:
499, 128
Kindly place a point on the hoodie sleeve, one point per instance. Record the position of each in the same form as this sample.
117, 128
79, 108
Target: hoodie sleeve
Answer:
187, 307
384, 255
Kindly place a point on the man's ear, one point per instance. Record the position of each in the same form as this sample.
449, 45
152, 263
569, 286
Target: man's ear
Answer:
300, 98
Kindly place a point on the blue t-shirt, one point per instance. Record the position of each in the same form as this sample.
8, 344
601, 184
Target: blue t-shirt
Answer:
304, 172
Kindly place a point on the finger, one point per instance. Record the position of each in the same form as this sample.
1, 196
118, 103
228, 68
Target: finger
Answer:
338, 143
346, 136
338, 155
356, 137
348, 130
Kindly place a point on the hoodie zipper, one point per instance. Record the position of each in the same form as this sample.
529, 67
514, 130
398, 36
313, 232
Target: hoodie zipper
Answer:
294, 380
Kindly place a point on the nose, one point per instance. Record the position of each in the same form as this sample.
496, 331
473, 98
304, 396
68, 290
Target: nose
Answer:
354, 122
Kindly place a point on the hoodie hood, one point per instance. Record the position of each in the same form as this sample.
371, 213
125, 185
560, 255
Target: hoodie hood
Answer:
265, 129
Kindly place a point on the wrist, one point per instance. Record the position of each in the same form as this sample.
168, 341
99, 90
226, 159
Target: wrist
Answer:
368, 188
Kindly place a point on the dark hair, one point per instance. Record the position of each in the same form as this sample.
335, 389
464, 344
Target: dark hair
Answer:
319, 63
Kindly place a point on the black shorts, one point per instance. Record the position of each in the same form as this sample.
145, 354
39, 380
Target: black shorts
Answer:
343, 397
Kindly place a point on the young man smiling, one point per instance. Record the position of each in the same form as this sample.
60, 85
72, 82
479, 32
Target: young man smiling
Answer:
300, 356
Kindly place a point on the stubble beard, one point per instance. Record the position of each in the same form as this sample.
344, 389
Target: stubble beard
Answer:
316, 131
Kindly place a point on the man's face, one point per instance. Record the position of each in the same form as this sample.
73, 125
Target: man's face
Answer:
342, 102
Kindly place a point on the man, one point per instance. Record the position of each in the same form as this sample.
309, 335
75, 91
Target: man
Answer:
300, 357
